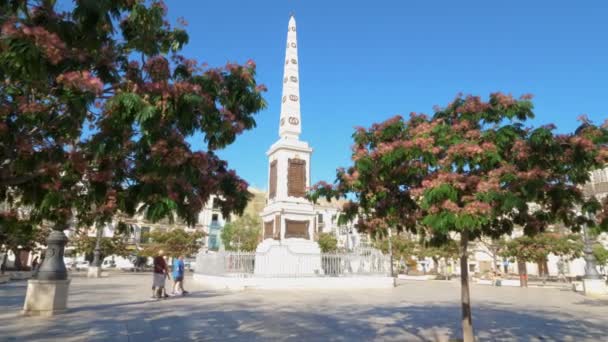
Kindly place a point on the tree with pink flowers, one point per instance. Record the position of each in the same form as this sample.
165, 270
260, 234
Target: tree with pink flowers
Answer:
472, 169
96, 108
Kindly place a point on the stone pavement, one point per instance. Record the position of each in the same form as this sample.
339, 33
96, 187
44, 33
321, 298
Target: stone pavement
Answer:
118, 308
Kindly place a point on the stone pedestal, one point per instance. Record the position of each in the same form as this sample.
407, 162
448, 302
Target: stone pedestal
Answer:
595, 287
46, 297
94, 272
293, 257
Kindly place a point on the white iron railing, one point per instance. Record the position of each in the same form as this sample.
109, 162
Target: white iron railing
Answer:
364, 261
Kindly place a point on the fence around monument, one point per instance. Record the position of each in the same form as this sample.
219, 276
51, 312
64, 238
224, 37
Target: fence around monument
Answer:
362, 262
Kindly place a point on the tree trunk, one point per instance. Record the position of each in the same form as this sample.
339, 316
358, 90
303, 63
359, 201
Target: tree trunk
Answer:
467, 320
3, 265
17, 265
523, 273
435, 265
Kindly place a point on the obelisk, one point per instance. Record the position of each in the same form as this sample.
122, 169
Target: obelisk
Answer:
288, 218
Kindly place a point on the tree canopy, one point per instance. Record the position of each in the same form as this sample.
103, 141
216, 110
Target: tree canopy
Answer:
538, 247
474, 169
242, 234
96, 108
174, 242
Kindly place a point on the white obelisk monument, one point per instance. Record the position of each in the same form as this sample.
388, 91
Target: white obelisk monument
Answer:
288, 218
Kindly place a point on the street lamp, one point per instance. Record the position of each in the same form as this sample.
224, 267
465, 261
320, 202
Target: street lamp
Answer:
597, 187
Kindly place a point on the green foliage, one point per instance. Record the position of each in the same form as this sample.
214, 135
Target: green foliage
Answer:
112, 70
242, 234
328, 242
536, 248
403, 248
601, 254
472, 168
115, 245
173, 242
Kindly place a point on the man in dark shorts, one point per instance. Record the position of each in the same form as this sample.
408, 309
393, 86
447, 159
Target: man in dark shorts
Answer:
160, 273
178, 276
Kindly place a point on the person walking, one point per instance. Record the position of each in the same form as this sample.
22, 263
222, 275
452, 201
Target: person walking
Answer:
160, 274
178, 276
35, 264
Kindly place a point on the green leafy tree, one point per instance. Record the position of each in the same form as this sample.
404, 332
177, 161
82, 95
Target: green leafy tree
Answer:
537, 248
115, 245
242, 234
96, 106
601, 255
173, 242
402, 247
20, 235
445, 251
471, 169
327, 242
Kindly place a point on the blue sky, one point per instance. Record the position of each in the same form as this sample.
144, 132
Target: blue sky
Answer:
362, 62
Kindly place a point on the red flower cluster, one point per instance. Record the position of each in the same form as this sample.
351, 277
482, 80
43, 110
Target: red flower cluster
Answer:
54, 48
32, 107
520, 150
81, 81
472, 104
465, 150
158, 68
503, 100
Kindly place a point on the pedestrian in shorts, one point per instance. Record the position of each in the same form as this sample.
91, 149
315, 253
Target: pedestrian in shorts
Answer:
160, 274
178, 276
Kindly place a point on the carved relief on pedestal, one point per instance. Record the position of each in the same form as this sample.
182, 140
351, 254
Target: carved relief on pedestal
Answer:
296, 229
296, 178
268, 230
277, 227
272, 192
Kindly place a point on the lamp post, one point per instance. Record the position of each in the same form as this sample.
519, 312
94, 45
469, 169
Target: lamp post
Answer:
593, 283
97, 253
590, 261
390, 251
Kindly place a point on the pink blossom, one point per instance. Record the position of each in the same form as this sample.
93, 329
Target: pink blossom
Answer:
526, 97
583, 118
261, 88
503, 100
251, 64
81, 81
450, 206
53, 47
477, 208
158, 68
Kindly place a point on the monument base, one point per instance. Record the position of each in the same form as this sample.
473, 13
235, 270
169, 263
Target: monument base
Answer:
46, 297
290, 283
595, 287
94, 272
297, 257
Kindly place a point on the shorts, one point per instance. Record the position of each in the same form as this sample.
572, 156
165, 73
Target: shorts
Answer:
178, 278
158, 280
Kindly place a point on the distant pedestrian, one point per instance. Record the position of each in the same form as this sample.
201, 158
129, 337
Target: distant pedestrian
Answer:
178, 276
35, 264
160, 274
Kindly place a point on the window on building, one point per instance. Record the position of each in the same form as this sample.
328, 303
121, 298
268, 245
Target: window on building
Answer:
320, 218
216, 203
214, 218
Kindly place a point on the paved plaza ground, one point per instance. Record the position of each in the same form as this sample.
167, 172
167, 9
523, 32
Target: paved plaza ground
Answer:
118, 308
